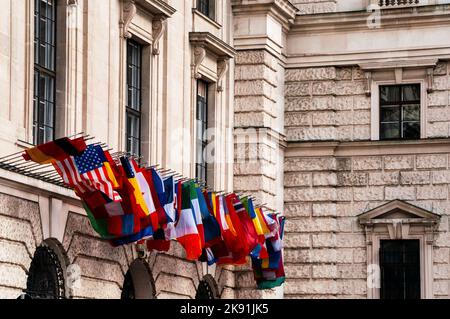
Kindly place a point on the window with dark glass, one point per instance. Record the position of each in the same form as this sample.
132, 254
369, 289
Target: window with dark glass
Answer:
400, 269
400, 112
207, 7
134, 99
44, 71
202, 126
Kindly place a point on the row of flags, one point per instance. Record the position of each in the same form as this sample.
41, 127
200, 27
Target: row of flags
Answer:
127, 203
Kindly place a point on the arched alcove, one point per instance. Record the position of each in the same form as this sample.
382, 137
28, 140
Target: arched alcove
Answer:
139, 282
207, 288
47, 273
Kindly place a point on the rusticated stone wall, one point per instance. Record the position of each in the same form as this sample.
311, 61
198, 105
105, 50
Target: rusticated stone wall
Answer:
20, 233
102, 267
325, 104
329, 104
259, 139
325, 245
315, 6
438, 112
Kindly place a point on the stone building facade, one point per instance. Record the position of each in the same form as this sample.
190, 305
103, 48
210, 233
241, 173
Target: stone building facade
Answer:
294, 91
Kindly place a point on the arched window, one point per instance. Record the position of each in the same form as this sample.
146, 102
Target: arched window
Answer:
138, 282
46, 276
207, 289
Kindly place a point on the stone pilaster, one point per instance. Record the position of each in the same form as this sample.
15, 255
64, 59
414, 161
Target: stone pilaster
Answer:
259, 111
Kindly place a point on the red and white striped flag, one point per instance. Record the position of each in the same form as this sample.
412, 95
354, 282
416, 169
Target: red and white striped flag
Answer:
69, 173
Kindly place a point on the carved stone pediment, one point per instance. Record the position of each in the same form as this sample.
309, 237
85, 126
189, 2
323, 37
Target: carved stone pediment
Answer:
398, 217
400, 211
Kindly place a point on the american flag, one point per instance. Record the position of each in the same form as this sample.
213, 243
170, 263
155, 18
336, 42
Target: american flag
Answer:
88, 172
69, 173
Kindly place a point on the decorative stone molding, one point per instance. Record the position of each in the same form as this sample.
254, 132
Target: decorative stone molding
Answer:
199, 56
399, 220
281, 10
367, 148
398, 68
159, 9
222, 68
158, 27
204, 42
128, 13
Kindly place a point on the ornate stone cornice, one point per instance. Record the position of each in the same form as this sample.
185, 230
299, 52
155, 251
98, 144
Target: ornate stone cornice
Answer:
212, 44
159, 9
398, 18
282, 10
367, 148
156, 7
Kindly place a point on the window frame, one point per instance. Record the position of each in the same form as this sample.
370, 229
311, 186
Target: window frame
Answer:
211, 14
129, 110
39, 70
203, 165
376, 108
400, 104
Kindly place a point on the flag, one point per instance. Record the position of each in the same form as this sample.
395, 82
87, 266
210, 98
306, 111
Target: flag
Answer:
210, 225
56, 150
93, 167
186, 228
132, 190
195, 206
159, 195
68, 171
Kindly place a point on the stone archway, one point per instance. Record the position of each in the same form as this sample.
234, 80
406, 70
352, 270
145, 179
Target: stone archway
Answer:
139, 282
47, 273
207, 288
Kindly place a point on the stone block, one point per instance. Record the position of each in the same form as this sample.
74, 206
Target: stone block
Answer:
294, 75
324, 210
441, 177
432, 192
317, 194
297, 89
324, 271
293, 240
311, 134
400, 192
368, 193
308, 225
324, 88
366, 163
415, 178
297, 119
398, 162
294, 271
297, 210
431, 161
305, 164
352, 179
439, 98
325, 179
384, 178
324, 241
350, 87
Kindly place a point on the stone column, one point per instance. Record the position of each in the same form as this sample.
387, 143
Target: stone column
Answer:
261, 29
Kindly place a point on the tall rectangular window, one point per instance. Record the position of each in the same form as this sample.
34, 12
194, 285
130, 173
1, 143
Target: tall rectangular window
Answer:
134, 98
207, 7
400, 111
400, 269
202, 126
44, 71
